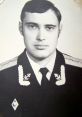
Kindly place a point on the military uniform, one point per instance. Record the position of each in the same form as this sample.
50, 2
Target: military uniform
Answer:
22, 96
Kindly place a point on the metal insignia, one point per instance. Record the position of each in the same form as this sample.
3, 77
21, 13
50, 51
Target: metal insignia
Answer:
15, 104
57, 76
26, 77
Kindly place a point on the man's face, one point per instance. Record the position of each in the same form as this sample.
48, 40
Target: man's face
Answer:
40, 31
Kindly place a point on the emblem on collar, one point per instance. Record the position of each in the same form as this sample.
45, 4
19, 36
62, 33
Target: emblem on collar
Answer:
23, 80
61, 80
26, 77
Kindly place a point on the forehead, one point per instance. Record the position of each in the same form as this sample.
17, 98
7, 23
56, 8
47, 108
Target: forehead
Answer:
47, 17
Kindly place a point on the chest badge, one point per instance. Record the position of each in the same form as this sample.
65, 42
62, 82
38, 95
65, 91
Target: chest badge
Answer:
15, 104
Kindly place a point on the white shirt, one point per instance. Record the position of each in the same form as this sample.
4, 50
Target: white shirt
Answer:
36, 67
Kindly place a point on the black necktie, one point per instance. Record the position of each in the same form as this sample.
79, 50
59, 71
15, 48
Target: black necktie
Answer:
44, 81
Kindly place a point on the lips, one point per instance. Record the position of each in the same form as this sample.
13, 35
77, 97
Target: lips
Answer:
41, 47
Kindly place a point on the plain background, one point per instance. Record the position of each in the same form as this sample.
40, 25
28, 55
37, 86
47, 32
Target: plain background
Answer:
11, 41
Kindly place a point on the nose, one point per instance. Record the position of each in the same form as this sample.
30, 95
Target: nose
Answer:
41, 35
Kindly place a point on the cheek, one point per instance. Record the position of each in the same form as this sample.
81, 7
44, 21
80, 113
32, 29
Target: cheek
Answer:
53, 44
53, 35
29, 41
30, 36
52, 39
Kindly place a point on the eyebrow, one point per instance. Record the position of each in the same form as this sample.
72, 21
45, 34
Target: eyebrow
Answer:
38, 25
50, 25
32, 23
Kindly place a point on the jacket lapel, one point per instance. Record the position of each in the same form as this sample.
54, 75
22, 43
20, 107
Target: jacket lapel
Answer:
24, 67
59, 62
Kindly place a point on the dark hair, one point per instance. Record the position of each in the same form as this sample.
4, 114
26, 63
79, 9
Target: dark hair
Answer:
39, 6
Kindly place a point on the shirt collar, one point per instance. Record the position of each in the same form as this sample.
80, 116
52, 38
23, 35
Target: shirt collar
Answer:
51, 64
34, 65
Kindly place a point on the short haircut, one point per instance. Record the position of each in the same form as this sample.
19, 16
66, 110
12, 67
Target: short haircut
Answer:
40, 6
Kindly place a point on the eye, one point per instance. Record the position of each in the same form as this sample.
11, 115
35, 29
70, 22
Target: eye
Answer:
50, 28
32, 26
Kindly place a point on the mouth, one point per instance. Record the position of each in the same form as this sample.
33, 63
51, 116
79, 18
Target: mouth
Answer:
41, 47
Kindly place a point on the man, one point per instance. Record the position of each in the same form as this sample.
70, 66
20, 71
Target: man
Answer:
35, 84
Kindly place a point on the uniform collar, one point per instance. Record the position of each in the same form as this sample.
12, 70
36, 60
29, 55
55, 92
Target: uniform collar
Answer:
58, 67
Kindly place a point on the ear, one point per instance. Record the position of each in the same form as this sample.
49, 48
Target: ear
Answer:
21, 28
60, 28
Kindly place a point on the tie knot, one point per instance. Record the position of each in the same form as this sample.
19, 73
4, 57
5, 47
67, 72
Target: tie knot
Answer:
44, 71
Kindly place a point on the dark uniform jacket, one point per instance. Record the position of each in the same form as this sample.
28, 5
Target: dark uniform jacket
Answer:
18, 99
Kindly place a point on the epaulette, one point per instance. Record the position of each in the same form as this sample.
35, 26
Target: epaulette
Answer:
8, 64
70, 60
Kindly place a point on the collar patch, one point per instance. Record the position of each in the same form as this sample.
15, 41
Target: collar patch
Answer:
23, 80
61, 80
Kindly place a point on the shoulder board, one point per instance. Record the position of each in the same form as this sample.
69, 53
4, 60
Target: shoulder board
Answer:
72, 61
68, 60
8, 64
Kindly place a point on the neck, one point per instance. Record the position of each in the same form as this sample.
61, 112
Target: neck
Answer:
45, 61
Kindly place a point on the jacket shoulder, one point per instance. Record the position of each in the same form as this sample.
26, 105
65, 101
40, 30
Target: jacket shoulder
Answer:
8, 64
70, 60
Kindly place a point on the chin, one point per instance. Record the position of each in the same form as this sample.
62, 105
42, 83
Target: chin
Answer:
39, 58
